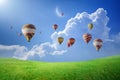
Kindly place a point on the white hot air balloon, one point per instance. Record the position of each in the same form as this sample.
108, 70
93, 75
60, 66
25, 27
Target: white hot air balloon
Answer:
28, 31
98, 44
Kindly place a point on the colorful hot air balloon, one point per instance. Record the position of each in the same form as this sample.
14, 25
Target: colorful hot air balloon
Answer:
87, 37
28, 31
97, 43
90, 26
70, 42
60, 40
55, 26
62, 14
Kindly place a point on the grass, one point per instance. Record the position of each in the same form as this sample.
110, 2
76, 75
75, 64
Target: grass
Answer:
100, 69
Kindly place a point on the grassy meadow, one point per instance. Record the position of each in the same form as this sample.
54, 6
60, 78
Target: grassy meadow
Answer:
100, 69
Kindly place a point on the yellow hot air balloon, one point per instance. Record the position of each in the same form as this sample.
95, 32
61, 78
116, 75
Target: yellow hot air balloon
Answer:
90, 26
60, 40
28, 31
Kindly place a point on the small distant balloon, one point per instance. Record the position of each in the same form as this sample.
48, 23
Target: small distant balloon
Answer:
70, 42
60, 40
87, 37
90, 26
28, 31
98, 44
62, 14
40, 32
55, 26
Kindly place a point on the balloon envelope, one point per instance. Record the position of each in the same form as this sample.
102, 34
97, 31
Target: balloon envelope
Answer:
28, 31
87, 37
98, 44
71, 41
90, 26
55, 26
60, 40
62, 14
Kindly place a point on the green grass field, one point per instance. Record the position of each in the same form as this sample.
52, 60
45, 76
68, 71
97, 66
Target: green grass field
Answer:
100, 69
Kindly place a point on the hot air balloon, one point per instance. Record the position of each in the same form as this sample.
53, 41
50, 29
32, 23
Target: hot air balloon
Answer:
87, 37
90, 26
70, 42
97, 43
55, 26
62, 14
28, 31
60, 40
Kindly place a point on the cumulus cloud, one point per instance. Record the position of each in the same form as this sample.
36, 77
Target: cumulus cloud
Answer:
21, 52
9, 51
75, 27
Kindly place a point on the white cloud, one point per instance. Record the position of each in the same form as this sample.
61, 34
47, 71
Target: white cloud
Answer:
59, 52
21, 52
109, 40
9, 51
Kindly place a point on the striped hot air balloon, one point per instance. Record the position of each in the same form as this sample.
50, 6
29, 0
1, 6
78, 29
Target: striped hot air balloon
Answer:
87, 37
28, 31
98, 44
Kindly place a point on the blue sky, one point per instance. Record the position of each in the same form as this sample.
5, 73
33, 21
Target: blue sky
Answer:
42, 14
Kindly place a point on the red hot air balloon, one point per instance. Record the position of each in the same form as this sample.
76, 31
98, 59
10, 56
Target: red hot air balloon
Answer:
55, 26
70, 42
97, 43
87, 37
